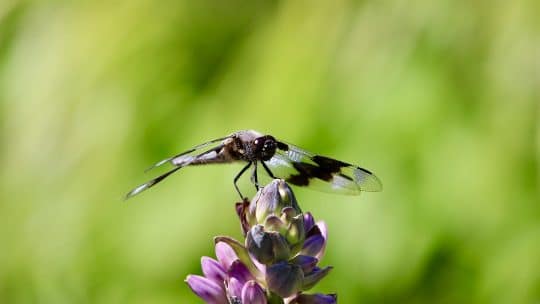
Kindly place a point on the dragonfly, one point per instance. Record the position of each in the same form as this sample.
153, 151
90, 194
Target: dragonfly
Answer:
279, 159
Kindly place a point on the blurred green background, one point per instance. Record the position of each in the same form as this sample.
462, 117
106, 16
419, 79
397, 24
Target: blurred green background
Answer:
440, 99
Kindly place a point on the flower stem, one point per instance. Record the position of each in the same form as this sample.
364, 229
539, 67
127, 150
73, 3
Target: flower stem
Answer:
273, 298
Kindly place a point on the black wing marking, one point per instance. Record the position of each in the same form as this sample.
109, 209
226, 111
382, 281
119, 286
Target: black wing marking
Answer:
302, 168
193, 155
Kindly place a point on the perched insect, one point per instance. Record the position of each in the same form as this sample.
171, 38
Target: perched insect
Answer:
279, 160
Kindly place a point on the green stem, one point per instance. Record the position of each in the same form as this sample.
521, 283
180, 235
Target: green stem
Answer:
273, 298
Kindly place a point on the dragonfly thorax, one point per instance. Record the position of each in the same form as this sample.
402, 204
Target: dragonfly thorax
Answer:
261, 148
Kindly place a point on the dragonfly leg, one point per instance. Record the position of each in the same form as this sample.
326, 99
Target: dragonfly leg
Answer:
268, 170
238, 176
254, 177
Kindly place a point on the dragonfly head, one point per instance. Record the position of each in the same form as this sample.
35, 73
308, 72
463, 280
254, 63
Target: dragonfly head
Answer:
265, 147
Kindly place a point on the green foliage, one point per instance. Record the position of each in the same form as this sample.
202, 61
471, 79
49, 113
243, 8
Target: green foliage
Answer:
440, 99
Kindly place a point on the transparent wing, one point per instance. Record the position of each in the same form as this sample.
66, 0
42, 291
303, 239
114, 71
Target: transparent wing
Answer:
209, 152
302, 168
189, 155
149, 183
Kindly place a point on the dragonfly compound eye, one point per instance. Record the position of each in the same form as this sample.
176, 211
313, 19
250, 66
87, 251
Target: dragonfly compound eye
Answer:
269, 148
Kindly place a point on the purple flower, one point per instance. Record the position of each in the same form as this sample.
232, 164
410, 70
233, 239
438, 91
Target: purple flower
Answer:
278, 260
228, 279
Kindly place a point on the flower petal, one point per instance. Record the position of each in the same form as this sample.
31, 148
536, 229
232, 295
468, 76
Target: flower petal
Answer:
267, 247
271, 199
324, 233
315, 299
313, 245
207, 289
267, 201
280, 247
253, 293
225, 254
295, 232
315, 276
274, 223
213, 270
309, 222
240, 252
288, 213
240, 272
284, 279
235, 288
287, 196
306, 262
259, 244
